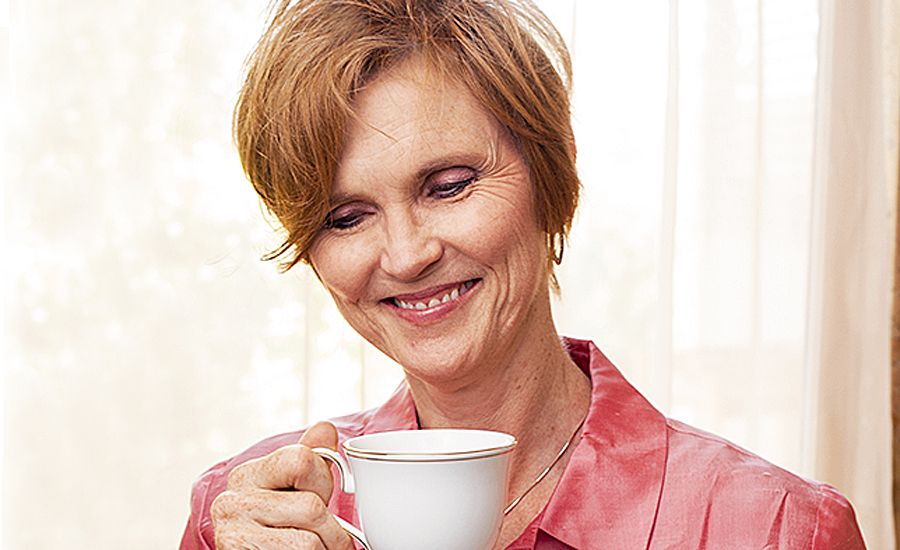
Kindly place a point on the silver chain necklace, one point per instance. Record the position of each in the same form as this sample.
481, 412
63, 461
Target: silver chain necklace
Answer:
546, 471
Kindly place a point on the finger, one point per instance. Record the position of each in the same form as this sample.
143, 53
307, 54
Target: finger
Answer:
243, 535
321, 434
303, 510
282, 510
291, 467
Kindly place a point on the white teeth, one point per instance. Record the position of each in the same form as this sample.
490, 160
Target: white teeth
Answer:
453, 295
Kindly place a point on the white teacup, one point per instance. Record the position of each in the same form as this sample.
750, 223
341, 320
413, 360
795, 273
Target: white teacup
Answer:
440, 489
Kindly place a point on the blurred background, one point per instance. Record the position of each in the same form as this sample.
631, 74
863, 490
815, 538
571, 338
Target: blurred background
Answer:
732, 252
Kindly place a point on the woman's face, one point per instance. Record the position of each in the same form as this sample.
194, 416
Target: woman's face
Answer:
432, 251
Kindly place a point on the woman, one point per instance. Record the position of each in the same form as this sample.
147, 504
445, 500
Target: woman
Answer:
420, 157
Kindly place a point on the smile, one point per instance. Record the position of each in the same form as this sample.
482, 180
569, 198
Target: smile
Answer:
435, 300
432, 305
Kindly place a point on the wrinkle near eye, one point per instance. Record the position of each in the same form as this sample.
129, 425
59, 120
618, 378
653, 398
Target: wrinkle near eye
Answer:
495, 195
501, 159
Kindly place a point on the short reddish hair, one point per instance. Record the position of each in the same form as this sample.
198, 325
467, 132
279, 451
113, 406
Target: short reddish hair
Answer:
315, 55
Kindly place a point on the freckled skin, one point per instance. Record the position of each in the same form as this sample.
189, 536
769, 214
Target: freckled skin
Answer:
415, 128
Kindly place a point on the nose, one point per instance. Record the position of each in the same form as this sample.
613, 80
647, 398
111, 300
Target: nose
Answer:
411, 249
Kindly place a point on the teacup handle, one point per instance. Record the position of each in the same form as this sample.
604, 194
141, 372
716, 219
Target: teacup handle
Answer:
347, 486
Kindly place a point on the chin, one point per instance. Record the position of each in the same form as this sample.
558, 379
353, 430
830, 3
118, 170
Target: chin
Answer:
437, 366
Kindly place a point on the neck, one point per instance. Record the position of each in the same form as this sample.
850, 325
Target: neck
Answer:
530, 389
533, 381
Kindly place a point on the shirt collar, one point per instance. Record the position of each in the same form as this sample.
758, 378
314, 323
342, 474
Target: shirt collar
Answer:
610, 490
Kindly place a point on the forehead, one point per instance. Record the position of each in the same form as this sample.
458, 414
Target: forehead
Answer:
409, 118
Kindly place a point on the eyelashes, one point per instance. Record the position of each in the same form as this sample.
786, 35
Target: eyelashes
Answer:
348, 216
343, 222
451, 189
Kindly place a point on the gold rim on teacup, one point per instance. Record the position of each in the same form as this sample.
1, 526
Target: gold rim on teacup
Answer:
448, 456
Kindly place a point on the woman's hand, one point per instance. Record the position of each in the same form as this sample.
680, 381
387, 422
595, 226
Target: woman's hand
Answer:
280, 500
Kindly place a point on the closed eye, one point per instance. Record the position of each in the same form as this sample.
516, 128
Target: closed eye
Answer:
450, 189
344, 221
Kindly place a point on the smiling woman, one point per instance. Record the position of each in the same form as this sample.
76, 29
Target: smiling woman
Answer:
419, 154
444, 264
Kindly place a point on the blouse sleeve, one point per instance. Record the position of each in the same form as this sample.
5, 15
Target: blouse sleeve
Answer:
198, 534
191, 539
836, 527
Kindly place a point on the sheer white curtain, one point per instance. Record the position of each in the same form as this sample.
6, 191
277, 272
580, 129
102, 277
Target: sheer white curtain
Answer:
855, 196
693, 241
144, 340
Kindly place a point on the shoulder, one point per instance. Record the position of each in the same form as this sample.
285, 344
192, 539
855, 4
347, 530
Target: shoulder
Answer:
735, 497
199, 532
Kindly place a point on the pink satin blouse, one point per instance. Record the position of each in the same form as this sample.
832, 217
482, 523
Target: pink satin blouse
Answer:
636, 480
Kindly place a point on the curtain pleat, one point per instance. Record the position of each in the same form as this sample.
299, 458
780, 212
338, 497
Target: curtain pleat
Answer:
895, 379
849, 323
668, 210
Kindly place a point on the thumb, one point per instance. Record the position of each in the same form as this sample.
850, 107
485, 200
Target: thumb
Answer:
320, 434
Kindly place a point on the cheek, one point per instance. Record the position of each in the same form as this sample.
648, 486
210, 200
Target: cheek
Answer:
342, 266
497, 228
